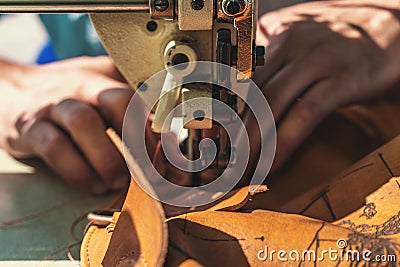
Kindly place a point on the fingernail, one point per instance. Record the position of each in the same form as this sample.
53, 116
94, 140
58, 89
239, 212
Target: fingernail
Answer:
120, 182
99, 188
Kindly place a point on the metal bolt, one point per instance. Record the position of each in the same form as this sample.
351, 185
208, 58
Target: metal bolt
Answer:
233, 7
142, 87
161, 5
199, 115
197, 4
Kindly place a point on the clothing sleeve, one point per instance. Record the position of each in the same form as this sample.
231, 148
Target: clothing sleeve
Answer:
72, 35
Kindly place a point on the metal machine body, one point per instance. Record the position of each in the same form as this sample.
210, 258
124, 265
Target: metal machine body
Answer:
145, 37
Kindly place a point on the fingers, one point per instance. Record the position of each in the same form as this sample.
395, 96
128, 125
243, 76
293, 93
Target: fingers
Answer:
289, 84
276, 55
303, 117
112, 104
56, 149
87, 130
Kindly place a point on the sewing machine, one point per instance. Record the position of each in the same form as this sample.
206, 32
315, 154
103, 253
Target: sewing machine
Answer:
174, 35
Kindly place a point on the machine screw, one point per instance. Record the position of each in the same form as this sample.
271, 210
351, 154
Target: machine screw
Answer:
142, 87
161, 5
197, 4
233, 7
199, 115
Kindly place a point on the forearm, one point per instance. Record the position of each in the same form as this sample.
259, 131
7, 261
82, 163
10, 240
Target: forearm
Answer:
394, 4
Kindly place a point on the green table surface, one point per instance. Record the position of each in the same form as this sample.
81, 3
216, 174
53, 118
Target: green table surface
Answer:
37, 210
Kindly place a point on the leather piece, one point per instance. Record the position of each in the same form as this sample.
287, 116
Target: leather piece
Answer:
350, 191
96, 241
333, 147
140, 232
363, 204
94, 246
234, 239
232, 201
343, 139
347, 201
177, 258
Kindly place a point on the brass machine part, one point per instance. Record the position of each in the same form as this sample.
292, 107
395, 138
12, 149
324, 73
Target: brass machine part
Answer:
166, 104
243, 15
72, 6
195, 15
125, 34
197, 114
194, 18
177, 56
128, 32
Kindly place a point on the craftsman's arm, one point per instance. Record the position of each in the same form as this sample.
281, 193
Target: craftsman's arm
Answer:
59, 112
322, 56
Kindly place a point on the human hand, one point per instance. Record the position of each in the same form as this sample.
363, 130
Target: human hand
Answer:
60, 111
322, 56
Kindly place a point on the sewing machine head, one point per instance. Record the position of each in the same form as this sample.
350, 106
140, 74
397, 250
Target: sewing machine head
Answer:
144, 38
174, 36
187, 32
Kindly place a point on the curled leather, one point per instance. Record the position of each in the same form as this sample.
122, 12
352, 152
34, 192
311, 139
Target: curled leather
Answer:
361, 206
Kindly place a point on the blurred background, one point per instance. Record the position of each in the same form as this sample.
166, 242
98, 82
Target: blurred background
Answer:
23, 37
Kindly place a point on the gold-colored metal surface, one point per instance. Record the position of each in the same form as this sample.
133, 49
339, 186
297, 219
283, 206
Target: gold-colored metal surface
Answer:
72, 9
195, 20
139, 53
203, 103
70, 2
170, 95
175, 49
246, 41
245, 24
72, 6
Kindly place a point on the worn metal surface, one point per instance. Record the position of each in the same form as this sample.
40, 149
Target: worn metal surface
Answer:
203, 105
139, 53
71, 6
245, 24
195, 20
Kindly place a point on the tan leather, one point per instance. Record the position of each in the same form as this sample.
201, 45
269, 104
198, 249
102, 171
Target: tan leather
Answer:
96, 242
234, 239
139, 237
122, 243
364, 182
363, 205
360, 205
